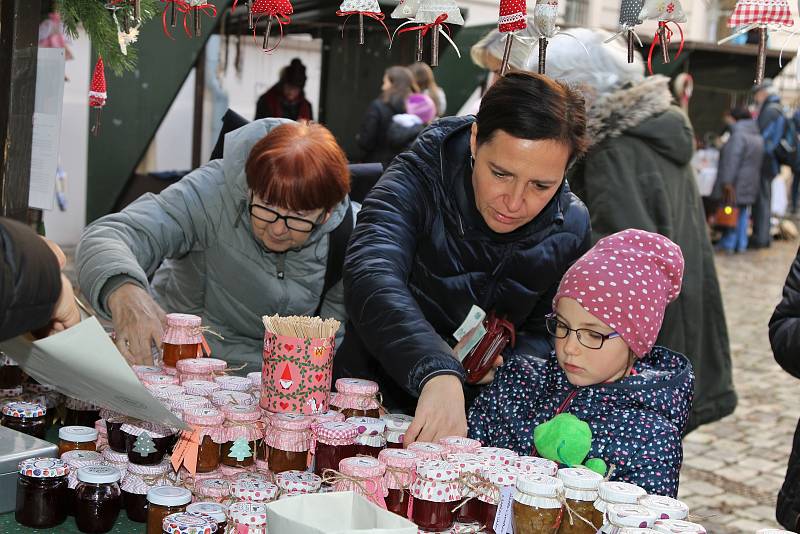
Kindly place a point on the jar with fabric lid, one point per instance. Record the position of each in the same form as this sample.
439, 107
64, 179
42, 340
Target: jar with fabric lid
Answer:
14, 393
202, 388
331, 416
80, 413
145, 443
233, 383
242, 432
11, 375
116, 459
436, 493
355, 397
182, 339
675, 526
428, 451
298, 482
71, 438
163, 501
617, 493
401, 469
619, 516
334, 442
75, 460
370, 440
26, 417
362, 475
216, 511
245, 489
188, 523
50, 400
459, 445
165, 392
497, 457
181, 403
160, 380
137, 482
255, 380
537, 506
248, 517
141, 370
665, 507
288, 442
396, 426
193, 369
117, 439
489, 494
225, 397
213, 489
41, 493
580, 493
208, 421
533, 464
98, 499
472, 468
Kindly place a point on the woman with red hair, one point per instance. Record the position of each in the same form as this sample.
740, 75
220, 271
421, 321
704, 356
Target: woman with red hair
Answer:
241, 237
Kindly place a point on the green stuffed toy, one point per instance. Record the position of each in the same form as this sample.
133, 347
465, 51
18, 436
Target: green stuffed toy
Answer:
565, 439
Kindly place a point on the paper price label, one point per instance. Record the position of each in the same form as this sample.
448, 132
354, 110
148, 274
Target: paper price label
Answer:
503, 521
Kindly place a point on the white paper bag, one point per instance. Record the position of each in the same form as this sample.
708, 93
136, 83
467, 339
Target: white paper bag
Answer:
333, 513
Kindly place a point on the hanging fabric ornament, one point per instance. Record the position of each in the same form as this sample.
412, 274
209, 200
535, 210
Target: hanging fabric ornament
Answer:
362, 8
752, 14
97, 93
126, 33
198, 8
407, 9
275, 10
436, 15
628, 20
545, 15
250, 23
513, 18
666, 12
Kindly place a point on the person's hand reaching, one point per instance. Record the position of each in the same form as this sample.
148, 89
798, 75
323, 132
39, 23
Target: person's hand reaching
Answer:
138, 322
440, 411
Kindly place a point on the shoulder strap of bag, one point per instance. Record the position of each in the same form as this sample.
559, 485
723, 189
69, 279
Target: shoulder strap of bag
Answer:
337, 247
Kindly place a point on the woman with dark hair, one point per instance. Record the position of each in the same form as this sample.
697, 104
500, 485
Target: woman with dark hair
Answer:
475, 214
286, 99
398, 84
241, 237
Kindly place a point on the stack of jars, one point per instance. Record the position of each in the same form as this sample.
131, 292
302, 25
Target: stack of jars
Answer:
249, 517
401, 470
147, 443
139, 479
580, 493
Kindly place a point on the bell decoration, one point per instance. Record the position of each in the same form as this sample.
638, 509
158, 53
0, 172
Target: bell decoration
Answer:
761, 14
275, 11
407, 9
666, 12
513, 18
362, 8
436, 15
629, 18
97, 94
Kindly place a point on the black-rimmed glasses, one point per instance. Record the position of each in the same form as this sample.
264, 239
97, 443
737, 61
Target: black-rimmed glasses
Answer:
269, 215
586, 337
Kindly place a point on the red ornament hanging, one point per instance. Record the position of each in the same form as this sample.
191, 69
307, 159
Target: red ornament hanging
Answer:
362, 8
666, 12
191, 8
513, 18
97, 93
276, 11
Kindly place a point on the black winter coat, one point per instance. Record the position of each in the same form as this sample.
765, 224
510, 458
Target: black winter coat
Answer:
421, 256
784, 336
31, 280
373, 135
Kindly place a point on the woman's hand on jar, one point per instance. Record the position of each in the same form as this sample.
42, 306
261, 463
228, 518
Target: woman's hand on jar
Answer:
138, 322
440, 411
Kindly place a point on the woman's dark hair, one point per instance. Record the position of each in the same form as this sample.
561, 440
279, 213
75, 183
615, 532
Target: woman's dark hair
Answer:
403, 84
294, 74
533, 106
741, 114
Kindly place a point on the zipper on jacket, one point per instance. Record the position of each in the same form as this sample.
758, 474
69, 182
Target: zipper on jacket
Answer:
508, 251
280, 267
242, 207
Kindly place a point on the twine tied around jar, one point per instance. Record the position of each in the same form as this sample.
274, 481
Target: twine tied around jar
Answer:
478, 485
571, 513
334, 477
394, 472
364, 402
227, 370
154, 480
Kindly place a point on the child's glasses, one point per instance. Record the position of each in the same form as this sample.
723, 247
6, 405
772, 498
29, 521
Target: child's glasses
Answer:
586, 337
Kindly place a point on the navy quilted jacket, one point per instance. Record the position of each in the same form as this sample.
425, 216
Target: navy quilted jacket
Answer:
636, 423
421, 255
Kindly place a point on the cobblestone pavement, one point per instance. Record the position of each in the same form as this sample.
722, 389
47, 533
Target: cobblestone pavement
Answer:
733, 468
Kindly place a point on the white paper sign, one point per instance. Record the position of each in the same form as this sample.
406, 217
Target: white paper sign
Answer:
83, 363
503, 523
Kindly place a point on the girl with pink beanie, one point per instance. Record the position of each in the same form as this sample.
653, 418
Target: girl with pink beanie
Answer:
605, 369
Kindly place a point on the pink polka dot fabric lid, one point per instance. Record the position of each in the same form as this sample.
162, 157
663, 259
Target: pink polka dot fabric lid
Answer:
428, 451
251, 514
254, 490
215, 488
298, 481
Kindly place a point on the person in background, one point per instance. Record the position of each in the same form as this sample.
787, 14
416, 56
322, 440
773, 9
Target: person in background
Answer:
704, 163
770, 117
423, 76
738, 175
637, 174
405, 127
398, 85
35, 294
795, 191
286, 99
784, 337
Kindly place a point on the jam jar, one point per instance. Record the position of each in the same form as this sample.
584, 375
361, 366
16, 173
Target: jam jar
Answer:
224, 397
80, 413
371, 440
665, 507
471, 468
188, 523
248, 517
436, 492
216, 511
676, 526
497, 457
51, 400
335, 442
533, 464
489, 496
141, 370
331, 416
620, 516
298, 482
116, 438
182, 339
98, 498
165, 391
401, 467
163, 501
580, 492
145, 443
213, 489
10, 373
233, 383
116, 459
72, 438
201, 388
41, 493
363, 475
355, 397
616, 493
396, 426
460, 445
75, 460
288, 441
26, 417
248, 489
137, 482
536, 506
209, 422
428, 451
242, 432
194, 369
